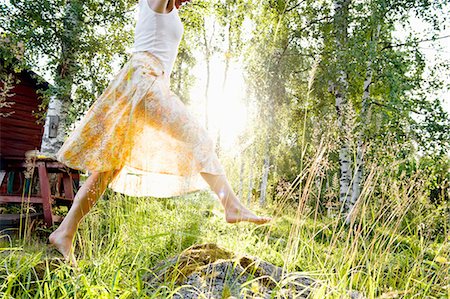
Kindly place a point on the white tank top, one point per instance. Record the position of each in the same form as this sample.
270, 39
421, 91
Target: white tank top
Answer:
158, 33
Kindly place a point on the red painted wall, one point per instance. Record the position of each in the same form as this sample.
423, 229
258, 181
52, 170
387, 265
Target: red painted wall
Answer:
19, 132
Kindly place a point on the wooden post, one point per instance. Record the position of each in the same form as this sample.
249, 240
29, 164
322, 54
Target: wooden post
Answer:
45, 194
68, 186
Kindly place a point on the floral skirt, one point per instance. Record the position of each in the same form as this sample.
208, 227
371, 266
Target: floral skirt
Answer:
141, 128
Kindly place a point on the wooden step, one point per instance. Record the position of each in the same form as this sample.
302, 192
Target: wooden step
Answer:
11, 220
20, 199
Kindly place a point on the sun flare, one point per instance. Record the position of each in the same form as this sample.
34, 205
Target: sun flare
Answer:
227, 111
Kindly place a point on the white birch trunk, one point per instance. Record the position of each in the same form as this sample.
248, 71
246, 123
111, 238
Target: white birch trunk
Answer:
250, 186
265, 177
359, 163
57, 109
345, 163
207, 86
180, 77
359, 168
208, 67
250, 183
346, 176
241, 176
224, 85
340, 93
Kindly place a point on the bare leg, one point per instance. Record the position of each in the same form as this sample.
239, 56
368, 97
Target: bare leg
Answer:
234, 210
84, 200
170, 115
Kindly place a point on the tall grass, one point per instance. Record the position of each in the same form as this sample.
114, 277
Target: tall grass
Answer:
386, 252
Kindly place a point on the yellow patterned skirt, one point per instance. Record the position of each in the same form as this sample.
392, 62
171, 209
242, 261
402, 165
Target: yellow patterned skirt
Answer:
142, 128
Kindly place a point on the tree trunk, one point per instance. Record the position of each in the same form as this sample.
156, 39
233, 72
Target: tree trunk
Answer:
359, 168
227, 59
265, 177
179, 70
346, 176
208, 71
359, 163
340, 93
241, 175
224, 84
250, 185
53, 137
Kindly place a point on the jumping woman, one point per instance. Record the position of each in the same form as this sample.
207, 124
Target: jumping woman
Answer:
138, 137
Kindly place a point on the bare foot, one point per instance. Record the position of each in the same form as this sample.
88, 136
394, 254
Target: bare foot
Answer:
238, 214
63, 244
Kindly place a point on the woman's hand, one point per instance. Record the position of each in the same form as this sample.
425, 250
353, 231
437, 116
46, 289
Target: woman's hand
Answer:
178, 3
164, 6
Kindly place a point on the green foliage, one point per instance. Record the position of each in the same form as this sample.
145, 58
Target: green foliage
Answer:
292, 58
74, 41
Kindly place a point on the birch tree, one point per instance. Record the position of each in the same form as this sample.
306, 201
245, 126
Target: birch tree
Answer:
339, 89
274, 64
73, 42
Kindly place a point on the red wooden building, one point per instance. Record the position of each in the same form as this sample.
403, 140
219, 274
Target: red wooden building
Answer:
20, 133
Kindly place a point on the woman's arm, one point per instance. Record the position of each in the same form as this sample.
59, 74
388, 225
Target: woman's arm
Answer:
160, 6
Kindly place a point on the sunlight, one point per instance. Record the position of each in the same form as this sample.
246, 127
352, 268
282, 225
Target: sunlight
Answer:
227, 112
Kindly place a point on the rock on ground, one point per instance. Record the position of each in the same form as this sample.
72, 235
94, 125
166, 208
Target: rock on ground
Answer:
208, 271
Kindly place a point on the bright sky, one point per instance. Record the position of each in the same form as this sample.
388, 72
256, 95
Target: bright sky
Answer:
434, 51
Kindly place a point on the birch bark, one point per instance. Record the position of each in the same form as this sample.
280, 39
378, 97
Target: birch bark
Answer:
250, 183
50, 144
207, 58
207, 45
359, 167
339, 89
265, 177
241, 175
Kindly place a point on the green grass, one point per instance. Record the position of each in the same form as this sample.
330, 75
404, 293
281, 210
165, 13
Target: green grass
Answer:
380, 254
